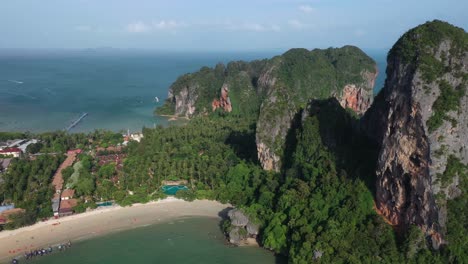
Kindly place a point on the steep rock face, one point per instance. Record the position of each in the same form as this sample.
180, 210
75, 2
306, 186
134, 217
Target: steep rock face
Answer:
185, 101
357, 98
419, 120
276, 115
302, 75
224, 102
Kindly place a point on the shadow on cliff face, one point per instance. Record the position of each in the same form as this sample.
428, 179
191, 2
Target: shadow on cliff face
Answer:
353, 151
243, 144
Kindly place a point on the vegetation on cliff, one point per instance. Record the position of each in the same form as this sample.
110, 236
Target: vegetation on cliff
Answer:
303, 74
320, 73
448, 100
417, 47
421, 48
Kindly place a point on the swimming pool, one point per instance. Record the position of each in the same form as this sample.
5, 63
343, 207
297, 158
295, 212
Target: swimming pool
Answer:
173, 189
108, 203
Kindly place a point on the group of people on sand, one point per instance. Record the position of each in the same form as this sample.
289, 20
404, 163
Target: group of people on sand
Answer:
42, 252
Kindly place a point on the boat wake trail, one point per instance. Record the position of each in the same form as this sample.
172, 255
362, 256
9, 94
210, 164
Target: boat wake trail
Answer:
15, 81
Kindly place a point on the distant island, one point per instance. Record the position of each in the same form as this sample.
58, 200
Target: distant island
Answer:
318, 170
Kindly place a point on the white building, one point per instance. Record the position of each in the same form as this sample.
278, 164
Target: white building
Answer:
15, 152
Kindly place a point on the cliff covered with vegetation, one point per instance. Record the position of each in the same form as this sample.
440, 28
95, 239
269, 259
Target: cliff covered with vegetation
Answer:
420, 121
273, 91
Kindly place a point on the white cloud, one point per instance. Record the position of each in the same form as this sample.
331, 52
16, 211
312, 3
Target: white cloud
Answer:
360, 32
294, 23
143, 27
168, 24
256, 27
306, 9
138, 27
83, 28
275, 28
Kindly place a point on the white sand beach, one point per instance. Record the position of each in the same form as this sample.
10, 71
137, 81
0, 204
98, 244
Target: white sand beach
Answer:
99, 222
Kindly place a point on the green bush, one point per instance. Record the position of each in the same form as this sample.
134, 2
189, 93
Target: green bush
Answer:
448, 100
187, 195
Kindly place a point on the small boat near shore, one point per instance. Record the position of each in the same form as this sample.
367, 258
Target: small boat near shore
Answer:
42, 252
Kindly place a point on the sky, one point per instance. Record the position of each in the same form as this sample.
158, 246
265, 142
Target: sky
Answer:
218, 25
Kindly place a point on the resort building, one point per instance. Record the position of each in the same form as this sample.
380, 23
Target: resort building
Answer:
137, 136
56, 204
14, 152
133, 136
6, 207
62, 202
24, 145
66, 207
5, 215
67, 194
14, 142
57, 181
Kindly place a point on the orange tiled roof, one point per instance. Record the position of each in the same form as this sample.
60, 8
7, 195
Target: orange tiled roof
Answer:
68, 204
68, 193
57, 182
9, 212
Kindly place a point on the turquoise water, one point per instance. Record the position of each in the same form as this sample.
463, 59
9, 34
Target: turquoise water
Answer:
193, 240
45, 90
173, 189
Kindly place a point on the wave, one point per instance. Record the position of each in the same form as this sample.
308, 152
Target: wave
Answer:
19, 94
15, 81
49, 91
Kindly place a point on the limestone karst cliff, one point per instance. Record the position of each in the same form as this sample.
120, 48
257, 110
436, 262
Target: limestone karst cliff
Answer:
274, 91
420, 121
224, 102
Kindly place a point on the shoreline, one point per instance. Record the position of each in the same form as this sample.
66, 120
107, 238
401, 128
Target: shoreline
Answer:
100, 222
175, 117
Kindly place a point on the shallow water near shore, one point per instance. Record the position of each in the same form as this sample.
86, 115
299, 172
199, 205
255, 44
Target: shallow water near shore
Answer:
186, 240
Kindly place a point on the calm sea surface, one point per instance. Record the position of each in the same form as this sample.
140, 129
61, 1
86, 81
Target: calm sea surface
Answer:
46, 90
191, 240
43, 91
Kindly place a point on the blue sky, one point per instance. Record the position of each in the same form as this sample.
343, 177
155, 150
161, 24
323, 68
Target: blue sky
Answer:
217, 25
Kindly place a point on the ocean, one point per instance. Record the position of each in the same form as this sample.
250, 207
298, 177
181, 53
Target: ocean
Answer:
46, 90
182, 241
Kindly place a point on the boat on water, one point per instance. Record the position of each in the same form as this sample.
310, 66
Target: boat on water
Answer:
42, 252
156, 99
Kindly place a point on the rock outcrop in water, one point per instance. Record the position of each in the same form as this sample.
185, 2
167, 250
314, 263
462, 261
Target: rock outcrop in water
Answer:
420, 121
241, 227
